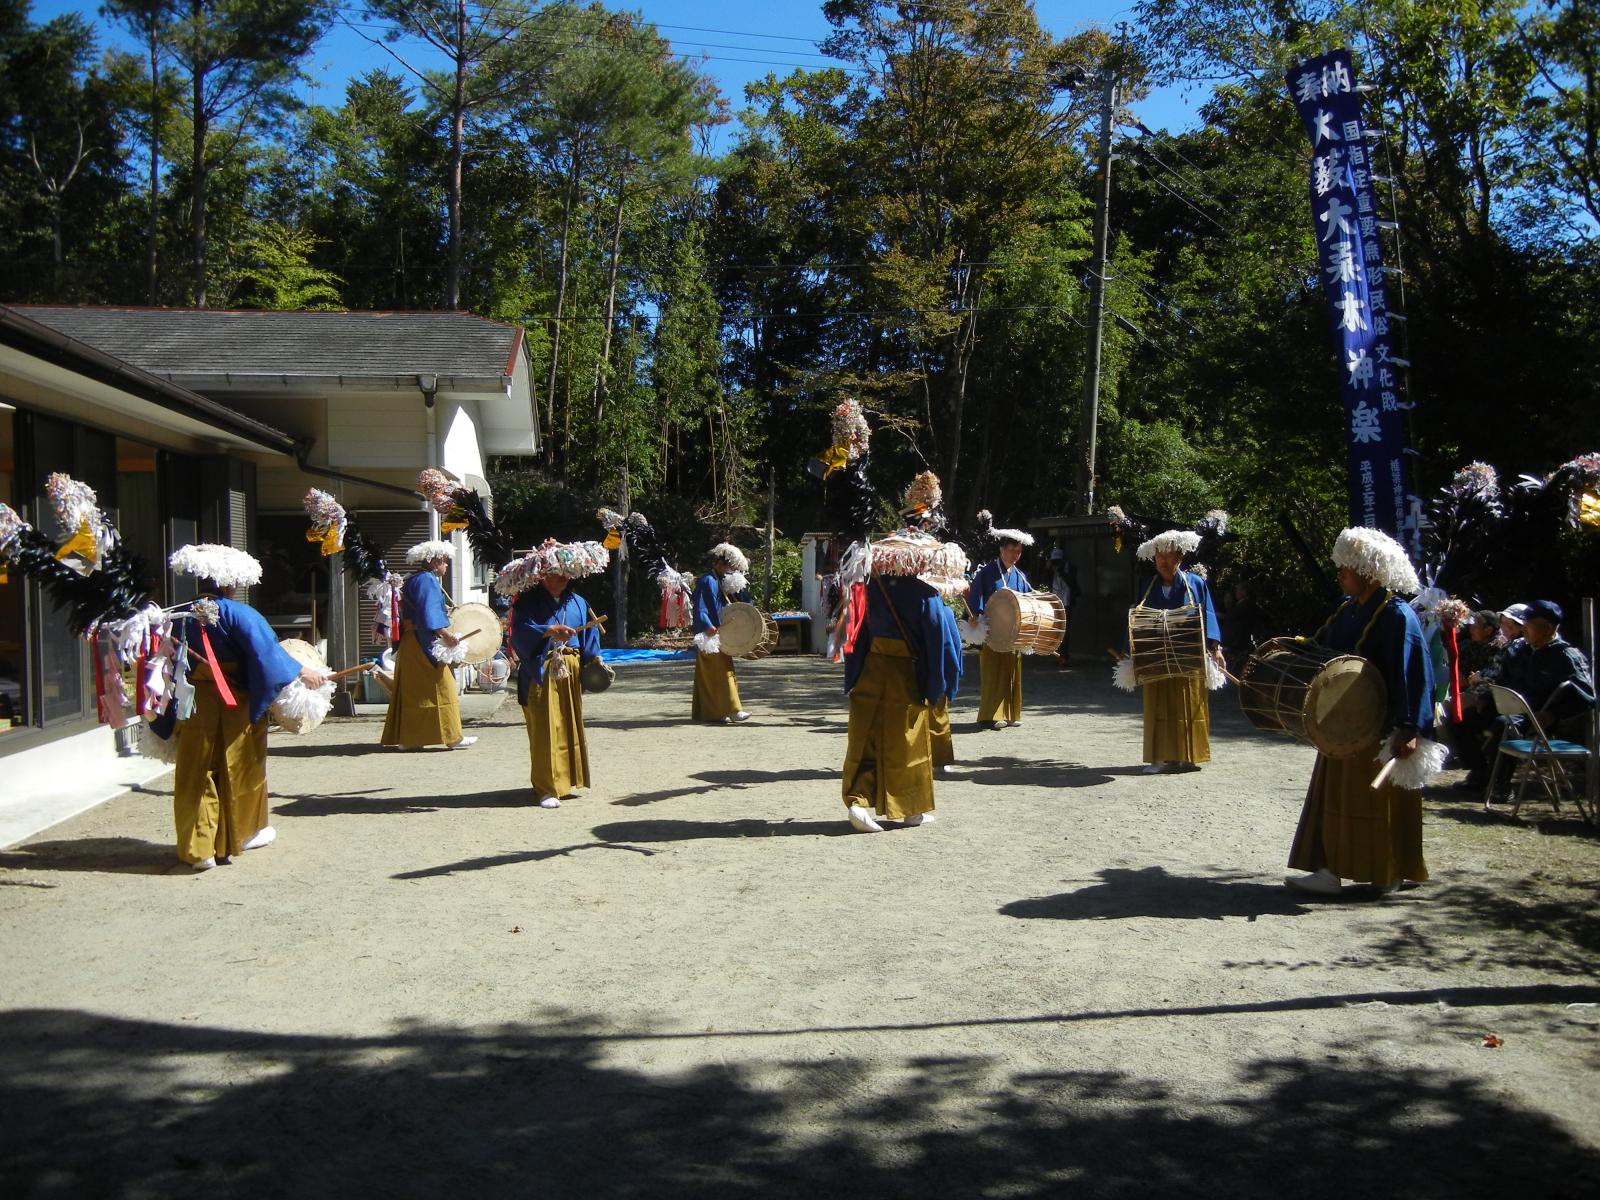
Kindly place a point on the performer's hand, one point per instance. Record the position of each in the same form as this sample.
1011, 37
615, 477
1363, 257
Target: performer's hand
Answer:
711, 629
1402, 746
561, 632
312, 678
448, 638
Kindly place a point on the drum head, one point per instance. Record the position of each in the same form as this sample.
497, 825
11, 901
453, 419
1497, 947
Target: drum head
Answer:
479, 626
1004, 611
304, 653
742, 628
1345, 707
596, 676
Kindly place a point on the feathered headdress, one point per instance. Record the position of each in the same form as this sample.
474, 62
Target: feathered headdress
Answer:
460, 507
729, 553
426, 552
1375, 555
1021, 536
226, 566
110, 587
1179, 541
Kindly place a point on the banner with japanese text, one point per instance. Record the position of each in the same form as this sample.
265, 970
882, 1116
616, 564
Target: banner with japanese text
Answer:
1345, 221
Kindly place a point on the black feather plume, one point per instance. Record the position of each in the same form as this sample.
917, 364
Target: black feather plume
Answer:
362, 555
117, 589
489, 542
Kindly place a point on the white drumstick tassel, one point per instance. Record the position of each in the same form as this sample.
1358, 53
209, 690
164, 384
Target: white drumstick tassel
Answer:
708, 643
1215, 678
305, 707
1123, 676
1418, 770
975, 635
450, 656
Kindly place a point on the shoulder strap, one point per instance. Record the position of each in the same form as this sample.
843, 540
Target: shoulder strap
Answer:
895, 613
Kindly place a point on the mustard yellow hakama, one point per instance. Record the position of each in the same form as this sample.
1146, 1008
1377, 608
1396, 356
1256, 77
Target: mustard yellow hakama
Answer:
716, 691
1177, 720
888, 760
1361, 835
424, 710
1000, 697
557, 745
939, 734
219, 791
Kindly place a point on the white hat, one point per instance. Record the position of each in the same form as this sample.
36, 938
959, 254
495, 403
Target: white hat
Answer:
426, 552
1180, 541
1373, 554
223, 565
1019, 536
729, 553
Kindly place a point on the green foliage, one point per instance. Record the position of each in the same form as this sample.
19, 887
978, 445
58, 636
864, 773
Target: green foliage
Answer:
277, 272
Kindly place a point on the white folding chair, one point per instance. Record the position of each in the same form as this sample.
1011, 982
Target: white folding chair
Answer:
1538, 755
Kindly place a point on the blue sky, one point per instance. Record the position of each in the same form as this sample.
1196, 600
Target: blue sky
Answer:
741, 43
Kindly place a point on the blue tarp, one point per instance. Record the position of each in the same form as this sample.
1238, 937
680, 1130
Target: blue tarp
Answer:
639, 656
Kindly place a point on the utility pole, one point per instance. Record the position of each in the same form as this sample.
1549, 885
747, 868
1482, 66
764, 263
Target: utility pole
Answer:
1089, 413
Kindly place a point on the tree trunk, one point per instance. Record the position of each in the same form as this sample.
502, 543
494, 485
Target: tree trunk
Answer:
198, 183
458, 118
152, 291
567, 204
598, 395
962, 343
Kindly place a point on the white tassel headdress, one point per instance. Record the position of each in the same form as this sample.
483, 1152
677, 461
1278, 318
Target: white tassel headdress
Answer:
223, 565
1020, 536
1181, 541
733, 582
426, 552
729, 553
1373, 554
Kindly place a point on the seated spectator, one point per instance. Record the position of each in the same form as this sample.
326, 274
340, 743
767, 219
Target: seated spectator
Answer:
1551, 674
1241, 622
1477, 721
1480, 647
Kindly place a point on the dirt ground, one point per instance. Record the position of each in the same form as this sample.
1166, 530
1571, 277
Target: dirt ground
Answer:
696, 981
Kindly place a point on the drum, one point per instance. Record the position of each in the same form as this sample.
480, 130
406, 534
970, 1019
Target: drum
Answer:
596, 675
478, 626
1333, 701
1025, 622
1166, 643
299, 719
747, 632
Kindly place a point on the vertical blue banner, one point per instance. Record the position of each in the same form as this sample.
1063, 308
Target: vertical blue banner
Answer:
1345, 221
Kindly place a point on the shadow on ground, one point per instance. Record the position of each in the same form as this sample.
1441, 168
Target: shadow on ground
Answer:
96, 1106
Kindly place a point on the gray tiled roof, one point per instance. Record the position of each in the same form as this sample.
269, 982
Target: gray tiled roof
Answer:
177, 342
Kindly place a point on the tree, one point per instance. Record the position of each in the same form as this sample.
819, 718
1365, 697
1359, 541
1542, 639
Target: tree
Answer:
150, 20
488, 65
239, 58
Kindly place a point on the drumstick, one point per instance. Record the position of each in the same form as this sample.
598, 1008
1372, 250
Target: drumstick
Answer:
599, 621
351, 670
1382, 776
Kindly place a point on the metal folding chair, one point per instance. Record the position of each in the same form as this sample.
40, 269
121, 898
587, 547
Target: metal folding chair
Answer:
1538, 755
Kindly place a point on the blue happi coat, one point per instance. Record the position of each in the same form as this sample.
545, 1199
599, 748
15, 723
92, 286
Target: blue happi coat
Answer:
532, 615
242, 635
930, 633
422, 603
1385, 631
709, 602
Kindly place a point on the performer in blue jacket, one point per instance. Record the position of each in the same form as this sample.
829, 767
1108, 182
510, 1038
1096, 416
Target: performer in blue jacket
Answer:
237, 669
1350, 830
906, 659
425, 709
1000, 675
1177, 718
716, 690
553, 636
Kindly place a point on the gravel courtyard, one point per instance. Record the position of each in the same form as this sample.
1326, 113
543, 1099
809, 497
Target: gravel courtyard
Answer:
696, 981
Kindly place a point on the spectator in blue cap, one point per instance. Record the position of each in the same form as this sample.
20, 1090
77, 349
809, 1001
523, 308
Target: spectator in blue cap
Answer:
1553, 676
